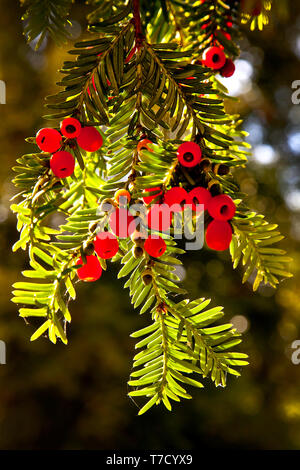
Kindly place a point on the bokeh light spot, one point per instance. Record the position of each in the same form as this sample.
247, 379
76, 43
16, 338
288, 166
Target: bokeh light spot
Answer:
240, 323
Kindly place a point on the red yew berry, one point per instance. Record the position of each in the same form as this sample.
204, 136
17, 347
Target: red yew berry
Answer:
122, 223
90, 139
159, 217
175, 198
221, 207
70, 127
199, 196
218, 235
144, 145
228, 69
48, 139
189, 154
62, 164
91, 271
122, 193
106, 245
148, 199
214, 58
155, 246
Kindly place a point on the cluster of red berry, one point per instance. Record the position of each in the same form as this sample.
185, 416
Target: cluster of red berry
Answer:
219, 232
122, 223
221, 209
50, 140
106, 246
214, 58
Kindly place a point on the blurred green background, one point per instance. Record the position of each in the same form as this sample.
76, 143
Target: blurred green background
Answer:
75, 397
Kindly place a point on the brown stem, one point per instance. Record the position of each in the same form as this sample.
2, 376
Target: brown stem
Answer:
177, 24
139, 37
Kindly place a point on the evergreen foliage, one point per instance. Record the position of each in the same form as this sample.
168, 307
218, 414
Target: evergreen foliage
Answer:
138, 75
44, 17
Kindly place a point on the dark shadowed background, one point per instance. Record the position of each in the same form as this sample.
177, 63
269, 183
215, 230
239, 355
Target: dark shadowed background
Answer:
75, 396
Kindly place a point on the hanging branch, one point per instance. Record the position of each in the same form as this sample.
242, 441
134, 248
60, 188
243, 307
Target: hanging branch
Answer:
131, 101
